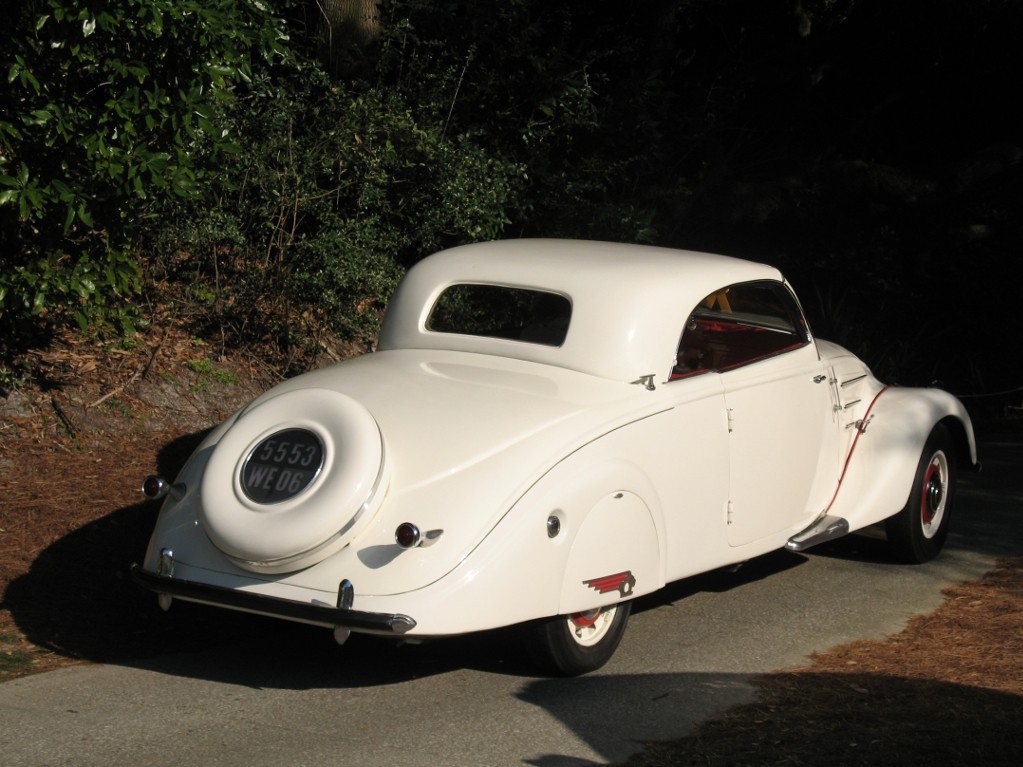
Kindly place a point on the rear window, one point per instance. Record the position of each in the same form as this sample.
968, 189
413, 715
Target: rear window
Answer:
499, 311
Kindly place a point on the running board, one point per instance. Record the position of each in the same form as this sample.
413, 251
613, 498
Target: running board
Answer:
824, 529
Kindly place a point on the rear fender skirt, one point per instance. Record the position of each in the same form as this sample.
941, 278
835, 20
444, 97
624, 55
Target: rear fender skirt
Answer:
615, 550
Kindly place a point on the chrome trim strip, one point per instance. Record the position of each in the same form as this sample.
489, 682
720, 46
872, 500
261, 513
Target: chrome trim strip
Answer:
247, 601
851, 381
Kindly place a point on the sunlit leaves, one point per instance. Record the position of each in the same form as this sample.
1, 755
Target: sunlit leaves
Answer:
108, 106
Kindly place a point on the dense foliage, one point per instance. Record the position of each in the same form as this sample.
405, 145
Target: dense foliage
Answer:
269, 169
105, 107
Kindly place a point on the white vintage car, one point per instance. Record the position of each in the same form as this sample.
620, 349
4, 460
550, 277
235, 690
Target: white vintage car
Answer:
548, 430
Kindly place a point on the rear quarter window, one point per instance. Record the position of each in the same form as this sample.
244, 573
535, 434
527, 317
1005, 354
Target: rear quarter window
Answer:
499, 311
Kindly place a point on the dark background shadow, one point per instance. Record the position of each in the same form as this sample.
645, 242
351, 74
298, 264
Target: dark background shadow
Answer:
78, 600
810, 718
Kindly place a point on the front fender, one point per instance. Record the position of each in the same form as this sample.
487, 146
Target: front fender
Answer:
880, 470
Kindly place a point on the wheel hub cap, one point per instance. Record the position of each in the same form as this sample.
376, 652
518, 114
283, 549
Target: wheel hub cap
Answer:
934, 493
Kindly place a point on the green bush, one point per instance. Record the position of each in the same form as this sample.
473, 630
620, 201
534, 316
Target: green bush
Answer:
107, 106
338, 192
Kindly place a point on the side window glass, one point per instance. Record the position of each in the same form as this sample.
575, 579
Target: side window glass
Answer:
738, 325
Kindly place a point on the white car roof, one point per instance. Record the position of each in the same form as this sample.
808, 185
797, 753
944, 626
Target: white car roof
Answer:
629, 302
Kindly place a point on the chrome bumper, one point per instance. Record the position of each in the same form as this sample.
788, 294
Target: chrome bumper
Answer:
342, 617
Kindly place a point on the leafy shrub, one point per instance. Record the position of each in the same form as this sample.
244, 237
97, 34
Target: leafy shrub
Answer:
107, 105
338, 192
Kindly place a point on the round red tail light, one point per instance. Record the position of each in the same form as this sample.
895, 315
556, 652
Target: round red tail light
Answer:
407, 535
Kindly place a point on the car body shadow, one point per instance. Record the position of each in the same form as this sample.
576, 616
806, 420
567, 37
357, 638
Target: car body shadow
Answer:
78, 600
805, 718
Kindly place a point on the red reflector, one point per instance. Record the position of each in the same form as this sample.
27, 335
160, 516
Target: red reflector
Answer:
407, 535
154, 487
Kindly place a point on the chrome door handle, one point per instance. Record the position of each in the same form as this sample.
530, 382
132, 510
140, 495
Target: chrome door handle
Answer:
819, 378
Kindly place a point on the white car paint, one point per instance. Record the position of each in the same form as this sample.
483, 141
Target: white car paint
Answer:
649, 474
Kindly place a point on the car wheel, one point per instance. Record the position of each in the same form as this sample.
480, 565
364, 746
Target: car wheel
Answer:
917, 533
568, 645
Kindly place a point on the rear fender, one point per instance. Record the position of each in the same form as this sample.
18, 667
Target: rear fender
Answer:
606, 549
610, 540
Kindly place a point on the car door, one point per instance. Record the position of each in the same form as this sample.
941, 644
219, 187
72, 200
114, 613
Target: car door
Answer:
694, 481
782, 459
779, 415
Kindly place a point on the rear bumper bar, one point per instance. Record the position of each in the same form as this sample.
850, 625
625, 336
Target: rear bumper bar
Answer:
318, 614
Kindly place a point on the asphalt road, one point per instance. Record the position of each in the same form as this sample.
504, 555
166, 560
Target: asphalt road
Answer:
288, 696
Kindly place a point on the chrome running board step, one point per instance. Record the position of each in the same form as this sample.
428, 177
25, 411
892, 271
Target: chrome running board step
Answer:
824, 529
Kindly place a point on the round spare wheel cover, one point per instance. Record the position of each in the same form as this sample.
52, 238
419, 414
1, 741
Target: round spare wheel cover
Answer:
293, 480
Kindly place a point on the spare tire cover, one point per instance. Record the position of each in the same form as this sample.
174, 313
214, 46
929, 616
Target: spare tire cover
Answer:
293, 480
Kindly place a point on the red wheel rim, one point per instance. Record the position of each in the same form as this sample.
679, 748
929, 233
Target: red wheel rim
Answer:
933, 493
585, 620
